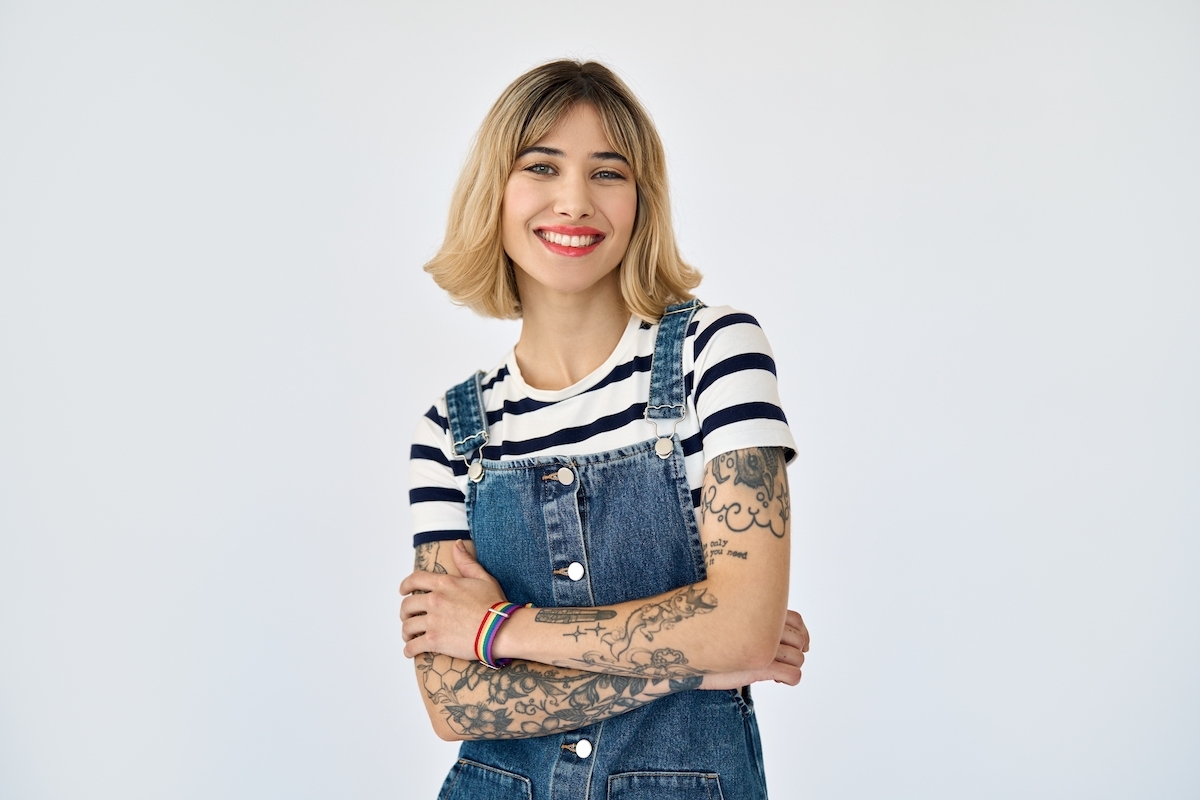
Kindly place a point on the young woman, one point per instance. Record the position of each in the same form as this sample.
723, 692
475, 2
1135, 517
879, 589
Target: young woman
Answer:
602, 520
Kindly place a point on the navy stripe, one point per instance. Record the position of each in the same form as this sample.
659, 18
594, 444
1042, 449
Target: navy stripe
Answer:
434, 494
623, 371
520, 407
424, 451
740, 413
429, 454
695, 498
500, 375
567, 436
723, 322
693, 444
442, 422
438, 536
731, 365
692, 326
619, 373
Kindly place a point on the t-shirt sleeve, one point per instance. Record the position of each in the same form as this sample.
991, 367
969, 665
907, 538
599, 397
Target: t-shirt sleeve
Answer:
734, 389
437, 482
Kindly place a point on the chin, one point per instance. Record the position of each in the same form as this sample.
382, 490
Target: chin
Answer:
559, 281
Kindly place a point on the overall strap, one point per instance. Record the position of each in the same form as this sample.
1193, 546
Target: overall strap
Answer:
667, 398
464, 408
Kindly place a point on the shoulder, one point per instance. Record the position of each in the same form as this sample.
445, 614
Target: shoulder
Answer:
724, 329
733, 383
729, 349
433, 427
494, 381
720, 333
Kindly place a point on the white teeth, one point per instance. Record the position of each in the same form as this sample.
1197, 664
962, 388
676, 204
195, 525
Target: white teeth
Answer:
568, 241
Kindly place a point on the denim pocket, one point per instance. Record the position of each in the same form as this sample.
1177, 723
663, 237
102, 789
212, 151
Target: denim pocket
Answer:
665, 786
470, 780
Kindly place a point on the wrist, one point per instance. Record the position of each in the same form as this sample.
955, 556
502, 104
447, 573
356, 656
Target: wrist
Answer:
492, 630
506, 644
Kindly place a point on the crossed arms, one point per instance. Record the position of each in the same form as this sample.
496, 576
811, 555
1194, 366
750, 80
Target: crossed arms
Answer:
577, 666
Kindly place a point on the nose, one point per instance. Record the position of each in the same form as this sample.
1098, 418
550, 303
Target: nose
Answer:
574, 198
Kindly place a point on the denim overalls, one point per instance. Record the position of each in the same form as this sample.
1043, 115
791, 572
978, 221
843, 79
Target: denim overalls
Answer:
619, 527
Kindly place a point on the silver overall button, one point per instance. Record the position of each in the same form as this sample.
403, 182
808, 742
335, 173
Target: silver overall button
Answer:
575, 571
583, 748
664, 447
475, 471
566, 477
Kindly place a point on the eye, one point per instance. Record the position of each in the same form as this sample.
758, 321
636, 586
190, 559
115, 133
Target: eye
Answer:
609, 175
540, 169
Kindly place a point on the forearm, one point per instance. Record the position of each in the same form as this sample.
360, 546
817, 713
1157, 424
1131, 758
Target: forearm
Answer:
712, 626
729, 622
467, 700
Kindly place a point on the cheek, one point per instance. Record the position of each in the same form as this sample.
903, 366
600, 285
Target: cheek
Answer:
624, 214
509, 230
520, 203
513, 216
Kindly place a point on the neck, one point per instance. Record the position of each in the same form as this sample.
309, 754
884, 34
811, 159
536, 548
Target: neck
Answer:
566, 337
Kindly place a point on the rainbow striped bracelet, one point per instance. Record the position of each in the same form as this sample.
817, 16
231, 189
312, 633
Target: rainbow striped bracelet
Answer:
492, 620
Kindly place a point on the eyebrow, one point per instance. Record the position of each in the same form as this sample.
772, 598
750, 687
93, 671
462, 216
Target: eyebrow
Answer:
610, 156
604, 155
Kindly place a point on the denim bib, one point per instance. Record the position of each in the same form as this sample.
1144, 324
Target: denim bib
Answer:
597, 530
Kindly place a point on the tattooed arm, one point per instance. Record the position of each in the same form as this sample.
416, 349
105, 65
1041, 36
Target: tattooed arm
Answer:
731, 622
466, 700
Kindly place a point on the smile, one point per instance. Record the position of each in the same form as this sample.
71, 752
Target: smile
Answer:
570, 242
567, 241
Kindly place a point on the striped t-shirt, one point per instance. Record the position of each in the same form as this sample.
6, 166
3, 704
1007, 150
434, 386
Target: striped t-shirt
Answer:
732, 403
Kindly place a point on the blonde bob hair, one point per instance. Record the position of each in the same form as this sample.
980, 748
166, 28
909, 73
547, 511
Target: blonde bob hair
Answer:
472, 265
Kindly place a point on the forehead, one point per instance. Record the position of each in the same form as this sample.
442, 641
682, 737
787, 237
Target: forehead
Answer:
579, 127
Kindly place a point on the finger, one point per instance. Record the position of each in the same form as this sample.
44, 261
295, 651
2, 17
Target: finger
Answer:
785, 673
420, 581
790, 647
414, 627
804, 634
416, 646
413, 605
792, 637
466, 563
792, 656
791, 678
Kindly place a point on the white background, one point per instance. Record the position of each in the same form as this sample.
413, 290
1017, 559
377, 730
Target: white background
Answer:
971, 231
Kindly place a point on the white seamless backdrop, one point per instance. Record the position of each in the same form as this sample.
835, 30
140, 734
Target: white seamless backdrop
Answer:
969, 229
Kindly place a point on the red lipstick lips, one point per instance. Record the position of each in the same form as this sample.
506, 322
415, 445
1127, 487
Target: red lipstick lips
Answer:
564, 234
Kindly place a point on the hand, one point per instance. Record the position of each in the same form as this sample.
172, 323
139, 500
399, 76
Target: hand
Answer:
441, 613
789, 657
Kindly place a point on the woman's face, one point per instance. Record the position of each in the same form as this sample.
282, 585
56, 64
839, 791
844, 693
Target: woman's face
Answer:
568, 212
